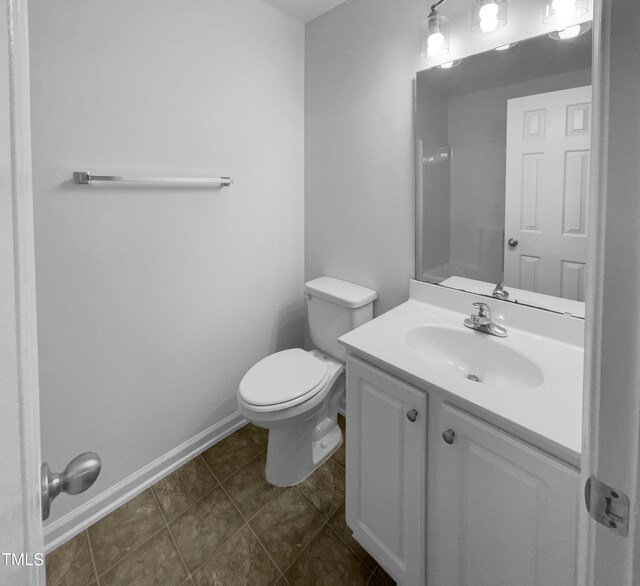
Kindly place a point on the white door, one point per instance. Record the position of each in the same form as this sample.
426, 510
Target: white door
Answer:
386, 469
547, 192
20, 523
501, 513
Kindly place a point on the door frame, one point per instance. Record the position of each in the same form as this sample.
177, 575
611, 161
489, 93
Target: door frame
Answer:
611, 415
20, 466
612, 427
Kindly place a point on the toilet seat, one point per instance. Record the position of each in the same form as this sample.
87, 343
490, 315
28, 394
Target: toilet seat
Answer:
283, 380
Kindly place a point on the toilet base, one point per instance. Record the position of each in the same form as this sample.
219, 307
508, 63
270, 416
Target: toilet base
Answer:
297, 449
293, 455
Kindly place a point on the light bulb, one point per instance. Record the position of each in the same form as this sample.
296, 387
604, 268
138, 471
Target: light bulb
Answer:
488, 17
435, 42
570, 32
564, 10
490, 10
448, 65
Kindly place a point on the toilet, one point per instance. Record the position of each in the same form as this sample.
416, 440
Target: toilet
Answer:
295, 394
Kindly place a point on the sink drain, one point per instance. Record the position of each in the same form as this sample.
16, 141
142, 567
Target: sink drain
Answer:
473, 377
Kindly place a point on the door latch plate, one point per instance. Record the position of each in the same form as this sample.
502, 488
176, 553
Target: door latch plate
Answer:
607, 506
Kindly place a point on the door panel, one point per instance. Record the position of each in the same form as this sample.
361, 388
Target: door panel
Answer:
547, 192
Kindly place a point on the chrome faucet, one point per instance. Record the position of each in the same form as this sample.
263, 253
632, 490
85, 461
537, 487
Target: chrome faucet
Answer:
482, 322
499, 292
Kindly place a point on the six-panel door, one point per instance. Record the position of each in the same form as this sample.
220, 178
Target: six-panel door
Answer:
501, 513
547, 192
386, 469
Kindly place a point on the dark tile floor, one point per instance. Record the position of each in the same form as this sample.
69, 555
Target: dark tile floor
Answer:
216, 520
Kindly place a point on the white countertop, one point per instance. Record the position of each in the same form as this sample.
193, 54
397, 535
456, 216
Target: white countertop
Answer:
550, 414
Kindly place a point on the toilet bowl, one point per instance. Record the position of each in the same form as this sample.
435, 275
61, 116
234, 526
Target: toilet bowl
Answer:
295, 393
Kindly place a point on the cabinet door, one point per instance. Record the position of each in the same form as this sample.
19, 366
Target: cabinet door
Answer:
501, 513
386, 469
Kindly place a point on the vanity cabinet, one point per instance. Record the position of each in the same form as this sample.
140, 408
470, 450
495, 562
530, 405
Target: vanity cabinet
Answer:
386, 473
448, 499
501, 512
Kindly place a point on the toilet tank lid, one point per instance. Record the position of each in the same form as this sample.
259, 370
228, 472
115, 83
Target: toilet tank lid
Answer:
340, 292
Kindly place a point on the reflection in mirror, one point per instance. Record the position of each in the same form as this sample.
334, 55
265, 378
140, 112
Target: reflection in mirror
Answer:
503, 141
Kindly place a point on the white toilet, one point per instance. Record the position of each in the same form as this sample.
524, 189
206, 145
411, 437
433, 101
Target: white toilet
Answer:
295, 394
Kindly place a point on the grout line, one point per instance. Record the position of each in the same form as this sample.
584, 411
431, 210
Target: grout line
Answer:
316, 509
221, 480
262, 544
209, 469
295, 559
245, 517
215, 551
173, 539
175, 543
93, 559
276, 566
193, 504
205, 560
234, 504
349, 547
155, 498
126, 556
275, 496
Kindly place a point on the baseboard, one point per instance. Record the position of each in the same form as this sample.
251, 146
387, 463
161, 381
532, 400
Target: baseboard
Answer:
79, 519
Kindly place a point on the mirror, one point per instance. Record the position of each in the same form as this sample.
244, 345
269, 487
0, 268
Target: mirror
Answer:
503, 142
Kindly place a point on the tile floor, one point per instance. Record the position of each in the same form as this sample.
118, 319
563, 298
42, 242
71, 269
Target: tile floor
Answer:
216, 520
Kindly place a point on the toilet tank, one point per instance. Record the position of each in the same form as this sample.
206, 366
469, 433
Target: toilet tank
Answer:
334, 308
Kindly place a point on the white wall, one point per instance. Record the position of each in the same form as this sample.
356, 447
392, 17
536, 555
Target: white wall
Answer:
153, 302
361, 60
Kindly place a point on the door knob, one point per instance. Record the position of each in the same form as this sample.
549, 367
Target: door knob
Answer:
448, 436
77, 477
512, 242
412, 415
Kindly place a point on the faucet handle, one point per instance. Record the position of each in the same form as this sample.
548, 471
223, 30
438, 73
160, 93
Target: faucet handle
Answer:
483, 309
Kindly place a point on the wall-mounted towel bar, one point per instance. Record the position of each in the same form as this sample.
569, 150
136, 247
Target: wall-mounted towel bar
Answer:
86, 178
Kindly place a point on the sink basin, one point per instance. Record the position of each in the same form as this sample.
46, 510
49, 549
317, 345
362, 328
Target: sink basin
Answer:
478, 357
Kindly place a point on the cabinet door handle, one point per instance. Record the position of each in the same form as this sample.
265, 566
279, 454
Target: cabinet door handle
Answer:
448, 436
412, 415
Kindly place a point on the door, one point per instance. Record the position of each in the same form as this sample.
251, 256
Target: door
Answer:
386, 466
501, 513
21, 527
547, 192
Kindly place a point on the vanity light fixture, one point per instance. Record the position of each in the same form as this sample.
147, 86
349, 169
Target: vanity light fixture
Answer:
435, 33
488, 15
505, 47
570, 32
562, 13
